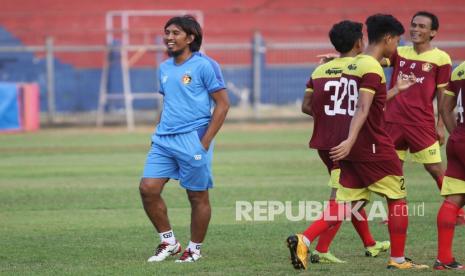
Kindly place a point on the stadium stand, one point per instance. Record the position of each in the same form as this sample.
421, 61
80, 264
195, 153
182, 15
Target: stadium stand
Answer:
29, 22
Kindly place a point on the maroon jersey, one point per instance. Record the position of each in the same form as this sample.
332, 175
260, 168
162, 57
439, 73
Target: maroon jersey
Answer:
365, 75
323, 85
414, 106
456, 89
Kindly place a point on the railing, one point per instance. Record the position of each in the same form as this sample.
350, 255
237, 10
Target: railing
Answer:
258, 72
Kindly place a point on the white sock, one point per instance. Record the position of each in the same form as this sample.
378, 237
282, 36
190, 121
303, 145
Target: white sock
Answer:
306, 241
194, 247
167, 237
398, 260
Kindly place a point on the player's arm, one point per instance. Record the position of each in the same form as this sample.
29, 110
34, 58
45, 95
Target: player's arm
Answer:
162, 93
324, 58
221, 100
384, 62
443, 76
400, 86
388, 62
308, 97
307, 103
446, 110
440, 131
365, 99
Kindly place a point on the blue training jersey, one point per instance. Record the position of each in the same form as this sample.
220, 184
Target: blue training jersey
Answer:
186, 89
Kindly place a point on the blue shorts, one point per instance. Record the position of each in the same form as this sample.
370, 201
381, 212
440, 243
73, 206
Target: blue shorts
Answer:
181, 156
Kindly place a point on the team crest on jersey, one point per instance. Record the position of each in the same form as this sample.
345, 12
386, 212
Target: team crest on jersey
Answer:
460, 73
352, 67
186, 79
426, 67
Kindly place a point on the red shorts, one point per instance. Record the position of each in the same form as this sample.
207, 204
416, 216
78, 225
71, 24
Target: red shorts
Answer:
414, 138
455, 159
357, 175
330, 165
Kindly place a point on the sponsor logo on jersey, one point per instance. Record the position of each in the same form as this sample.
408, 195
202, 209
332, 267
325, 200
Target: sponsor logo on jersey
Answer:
197, 157
334, 71
406, 77
426, 67
186, 79
352, 67
402, 63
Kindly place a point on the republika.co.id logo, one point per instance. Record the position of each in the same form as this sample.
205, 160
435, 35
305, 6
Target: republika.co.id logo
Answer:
313, 210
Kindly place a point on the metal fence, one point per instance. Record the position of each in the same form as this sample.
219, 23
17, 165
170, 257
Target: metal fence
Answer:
257, 74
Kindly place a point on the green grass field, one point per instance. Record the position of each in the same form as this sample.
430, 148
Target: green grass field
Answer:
69, 204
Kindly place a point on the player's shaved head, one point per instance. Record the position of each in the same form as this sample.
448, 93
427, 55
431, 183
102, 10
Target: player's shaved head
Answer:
344, 35
189, 25
380, 25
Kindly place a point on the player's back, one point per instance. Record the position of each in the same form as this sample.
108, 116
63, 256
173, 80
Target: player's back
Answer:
414, 106
365, 75
328, 123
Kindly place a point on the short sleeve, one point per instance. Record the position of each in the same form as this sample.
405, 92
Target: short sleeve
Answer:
212, 77
309, 86
443, 75
444, 69
370, 82
453, 88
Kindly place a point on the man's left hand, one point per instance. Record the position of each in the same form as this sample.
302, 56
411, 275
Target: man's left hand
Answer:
205, 145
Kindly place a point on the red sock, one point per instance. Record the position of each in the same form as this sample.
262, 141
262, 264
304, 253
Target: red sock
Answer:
323, 224
439, 182
361, 226
446, 220
397, 225
461, 212
325, 239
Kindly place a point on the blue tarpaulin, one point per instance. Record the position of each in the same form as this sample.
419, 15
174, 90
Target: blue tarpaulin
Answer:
9, 107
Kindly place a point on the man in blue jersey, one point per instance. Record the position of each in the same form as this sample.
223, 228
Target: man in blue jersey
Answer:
182, 145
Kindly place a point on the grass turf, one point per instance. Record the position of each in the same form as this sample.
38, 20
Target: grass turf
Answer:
69, 204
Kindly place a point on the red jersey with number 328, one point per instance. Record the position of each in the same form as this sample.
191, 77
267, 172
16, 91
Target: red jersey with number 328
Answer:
414, 106
456, 89
365, 75
328, 124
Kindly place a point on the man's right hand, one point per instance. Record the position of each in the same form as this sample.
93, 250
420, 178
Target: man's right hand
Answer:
402, 84
324, 58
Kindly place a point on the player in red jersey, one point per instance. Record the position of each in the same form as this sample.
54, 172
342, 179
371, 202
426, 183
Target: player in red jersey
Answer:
383, 33
410, 114
367, 157
454, 181
320, 101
